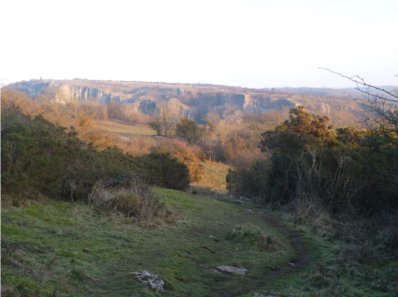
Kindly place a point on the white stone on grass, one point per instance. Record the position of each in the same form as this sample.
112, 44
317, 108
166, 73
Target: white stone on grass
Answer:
150, 279
232, 269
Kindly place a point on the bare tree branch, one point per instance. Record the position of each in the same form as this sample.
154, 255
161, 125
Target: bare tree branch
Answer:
360, 83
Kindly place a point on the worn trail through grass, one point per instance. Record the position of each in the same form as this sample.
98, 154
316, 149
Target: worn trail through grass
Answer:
55, 248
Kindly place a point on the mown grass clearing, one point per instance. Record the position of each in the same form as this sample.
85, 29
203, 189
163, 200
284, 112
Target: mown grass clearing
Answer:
55, 248
124, 130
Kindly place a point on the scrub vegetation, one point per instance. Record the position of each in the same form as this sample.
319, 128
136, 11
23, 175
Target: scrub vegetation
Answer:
306, 209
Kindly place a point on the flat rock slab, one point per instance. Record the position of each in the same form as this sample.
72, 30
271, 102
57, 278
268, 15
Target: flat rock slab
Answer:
150, 279
232, 269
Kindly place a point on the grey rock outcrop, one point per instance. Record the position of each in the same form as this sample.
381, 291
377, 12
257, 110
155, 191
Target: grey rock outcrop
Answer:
150, 279
231, 269
258, 103
194, 101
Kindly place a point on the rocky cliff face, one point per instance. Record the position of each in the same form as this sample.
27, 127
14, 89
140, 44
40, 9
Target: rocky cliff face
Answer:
32, 88
194, 101
63, 93
260, 103
67, 93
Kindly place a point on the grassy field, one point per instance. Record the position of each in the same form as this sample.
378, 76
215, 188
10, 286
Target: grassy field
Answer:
125, 130
55, 248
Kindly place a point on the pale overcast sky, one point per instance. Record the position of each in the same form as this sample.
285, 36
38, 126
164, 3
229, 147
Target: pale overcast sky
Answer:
249, 43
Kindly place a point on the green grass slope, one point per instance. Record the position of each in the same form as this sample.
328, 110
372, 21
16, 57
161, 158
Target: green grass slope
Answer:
55, 248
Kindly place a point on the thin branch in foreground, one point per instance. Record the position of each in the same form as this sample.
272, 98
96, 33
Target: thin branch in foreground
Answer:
360, 82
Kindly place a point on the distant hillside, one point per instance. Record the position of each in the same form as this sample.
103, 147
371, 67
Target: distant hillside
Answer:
196, 101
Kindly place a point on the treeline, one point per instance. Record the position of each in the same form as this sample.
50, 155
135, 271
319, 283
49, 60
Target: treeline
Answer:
39, 157
215, 139
83, 116
346, 172
218, 139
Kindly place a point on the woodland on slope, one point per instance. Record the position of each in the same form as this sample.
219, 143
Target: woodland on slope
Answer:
219, 123
328, 163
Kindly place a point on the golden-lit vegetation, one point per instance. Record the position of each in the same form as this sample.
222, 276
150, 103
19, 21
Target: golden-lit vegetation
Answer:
213, 178
341, 182
123, 129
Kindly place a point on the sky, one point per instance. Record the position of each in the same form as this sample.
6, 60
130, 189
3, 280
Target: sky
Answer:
249, 43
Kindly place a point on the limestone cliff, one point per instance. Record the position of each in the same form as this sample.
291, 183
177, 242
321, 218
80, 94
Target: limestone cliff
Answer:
259, 103
194, 101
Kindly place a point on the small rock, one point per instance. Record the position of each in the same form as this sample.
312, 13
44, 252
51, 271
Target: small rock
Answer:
212, 237
232, 269
148, 278
291, 264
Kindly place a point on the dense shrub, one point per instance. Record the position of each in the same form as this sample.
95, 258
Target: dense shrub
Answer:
248, 182
130, 198
189, 155
164, 170
189, 130
40, 157
345, 171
